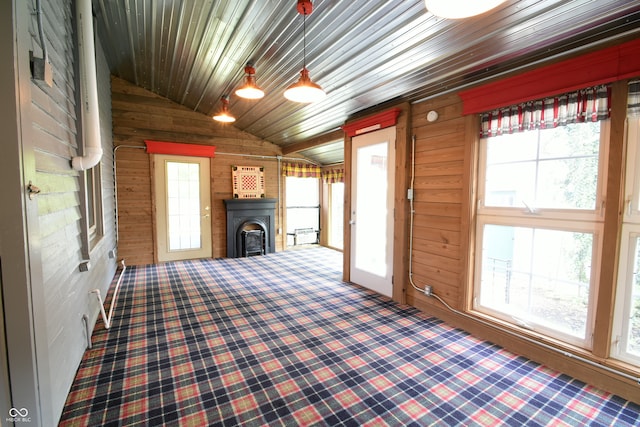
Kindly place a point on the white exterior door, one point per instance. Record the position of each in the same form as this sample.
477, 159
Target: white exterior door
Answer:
183, 207
372, 201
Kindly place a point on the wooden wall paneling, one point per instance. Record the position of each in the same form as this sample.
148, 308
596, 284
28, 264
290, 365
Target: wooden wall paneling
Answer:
138, 115
401, 205
468, 208
346, 240
438, 197
612, 221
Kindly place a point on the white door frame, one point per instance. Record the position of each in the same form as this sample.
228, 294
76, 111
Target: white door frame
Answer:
163, 253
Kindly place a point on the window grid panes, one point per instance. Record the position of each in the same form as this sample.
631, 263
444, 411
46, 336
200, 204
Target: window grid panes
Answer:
535, 256
626, 329
183, 205
303, 210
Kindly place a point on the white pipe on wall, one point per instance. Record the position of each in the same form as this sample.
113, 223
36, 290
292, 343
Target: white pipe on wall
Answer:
88, 78
107, 319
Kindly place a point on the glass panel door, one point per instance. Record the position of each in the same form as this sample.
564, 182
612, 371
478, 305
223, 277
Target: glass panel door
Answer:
183, 217
373, 160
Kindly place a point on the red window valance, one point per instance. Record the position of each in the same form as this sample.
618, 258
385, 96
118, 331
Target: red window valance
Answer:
596, 68
369, 124
180, 149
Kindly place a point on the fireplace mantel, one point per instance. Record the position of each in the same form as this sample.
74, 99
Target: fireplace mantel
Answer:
240, 212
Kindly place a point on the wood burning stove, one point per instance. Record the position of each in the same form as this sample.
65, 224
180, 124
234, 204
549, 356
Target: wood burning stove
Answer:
252, 242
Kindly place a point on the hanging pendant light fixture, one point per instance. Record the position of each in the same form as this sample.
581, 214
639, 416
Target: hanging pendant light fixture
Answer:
224, 115
459, 9
250, 89
304, 90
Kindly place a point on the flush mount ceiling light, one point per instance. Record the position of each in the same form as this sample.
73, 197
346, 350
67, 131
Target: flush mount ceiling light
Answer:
250, 89
304, 90
458, 9
224, 116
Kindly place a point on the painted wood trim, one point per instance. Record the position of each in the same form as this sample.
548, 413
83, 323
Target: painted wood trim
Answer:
179, 149
372, 123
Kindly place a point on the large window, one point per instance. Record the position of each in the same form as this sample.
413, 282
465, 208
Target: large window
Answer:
626, 329
95, 229
539, 227
303, 210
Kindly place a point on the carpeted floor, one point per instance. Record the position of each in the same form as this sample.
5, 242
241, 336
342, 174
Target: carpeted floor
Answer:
280, 340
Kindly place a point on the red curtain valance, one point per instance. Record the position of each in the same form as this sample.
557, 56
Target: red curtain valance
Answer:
301, 170
596, 68
179, 149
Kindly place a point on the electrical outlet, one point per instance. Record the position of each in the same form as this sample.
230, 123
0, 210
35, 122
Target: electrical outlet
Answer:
427, 290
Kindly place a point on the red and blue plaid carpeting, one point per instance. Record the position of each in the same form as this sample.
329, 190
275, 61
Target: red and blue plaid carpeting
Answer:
280, 340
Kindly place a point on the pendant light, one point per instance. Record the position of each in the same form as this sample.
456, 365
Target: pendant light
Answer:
458, 9
250, 89
224, 116
304, 90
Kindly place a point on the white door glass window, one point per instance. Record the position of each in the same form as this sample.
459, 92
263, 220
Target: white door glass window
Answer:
183, 205
539, 221
183, 213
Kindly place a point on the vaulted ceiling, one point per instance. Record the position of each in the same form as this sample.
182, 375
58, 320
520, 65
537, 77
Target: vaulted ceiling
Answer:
362, 52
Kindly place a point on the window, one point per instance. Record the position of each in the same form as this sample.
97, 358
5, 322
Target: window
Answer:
539, 222
95, 229
626, 322
303, 210
336, 216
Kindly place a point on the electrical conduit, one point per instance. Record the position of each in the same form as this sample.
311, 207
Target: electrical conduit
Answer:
90, 112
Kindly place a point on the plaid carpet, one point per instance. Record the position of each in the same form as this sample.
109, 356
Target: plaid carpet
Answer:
280, 340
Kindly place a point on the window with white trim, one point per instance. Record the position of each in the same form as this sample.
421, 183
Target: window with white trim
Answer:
95, 228
626, 322
540, 214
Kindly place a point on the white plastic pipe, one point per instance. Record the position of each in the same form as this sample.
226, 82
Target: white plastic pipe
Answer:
90, 112
107, 319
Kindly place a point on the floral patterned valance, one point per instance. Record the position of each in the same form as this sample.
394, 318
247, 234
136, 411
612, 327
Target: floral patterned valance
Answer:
590, 104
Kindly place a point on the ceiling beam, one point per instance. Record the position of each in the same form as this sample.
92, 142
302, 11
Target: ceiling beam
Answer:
327, 138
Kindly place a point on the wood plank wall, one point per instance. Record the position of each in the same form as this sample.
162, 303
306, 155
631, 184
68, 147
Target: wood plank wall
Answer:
60, 291
138, 115
439, 194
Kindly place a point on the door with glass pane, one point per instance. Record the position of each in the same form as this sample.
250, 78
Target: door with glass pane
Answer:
372, 196
183, 207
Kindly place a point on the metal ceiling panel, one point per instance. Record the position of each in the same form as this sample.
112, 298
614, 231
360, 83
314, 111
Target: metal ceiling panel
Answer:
362, 53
